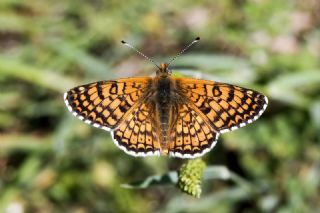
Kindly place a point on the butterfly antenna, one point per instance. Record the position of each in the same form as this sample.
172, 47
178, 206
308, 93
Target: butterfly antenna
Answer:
184, 49
140, 53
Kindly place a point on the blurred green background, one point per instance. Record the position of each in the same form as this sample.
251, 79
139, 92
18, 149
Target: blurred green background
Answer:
52, 162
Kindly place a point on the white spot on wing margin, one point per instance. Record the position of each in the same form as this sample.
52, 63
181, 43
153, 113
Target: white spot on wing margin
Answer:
248, 121
196, 155
130, 152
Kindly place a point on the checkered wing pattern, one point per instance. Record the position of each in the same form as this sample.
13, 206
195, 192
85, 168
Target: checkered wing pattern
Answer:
106, 103
226, 107
117, 106
190, 135
137, 134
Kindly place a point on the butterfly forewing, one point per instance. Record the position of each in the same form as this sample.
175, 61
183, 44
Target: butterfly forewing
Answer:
225, 107
105, 104
190, 135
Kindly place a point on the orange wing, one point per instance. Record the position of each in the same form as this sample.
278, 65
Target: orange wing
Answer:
118, 106
190, 136
137, 134
224, 106
105, 104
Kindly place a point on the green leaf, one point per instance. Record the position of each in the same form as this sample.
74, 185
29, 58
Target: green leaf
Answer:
154, 180
291, 88
189, 178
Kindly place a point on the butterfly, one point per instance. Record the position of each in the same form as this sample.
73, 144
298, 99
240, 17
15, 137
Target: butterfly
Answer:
164, 115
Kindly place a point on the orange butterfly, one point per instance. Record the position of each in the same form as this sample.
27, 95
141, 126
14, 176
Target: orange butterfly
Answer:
182, 117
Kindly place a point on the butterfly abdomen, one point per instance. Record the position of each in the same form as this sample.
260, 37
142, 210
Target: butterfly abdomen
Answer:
163, 102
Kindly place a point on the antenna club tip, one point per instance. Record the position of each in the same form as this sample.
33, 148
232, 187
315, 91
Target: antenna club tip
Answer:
123, 42
198, 38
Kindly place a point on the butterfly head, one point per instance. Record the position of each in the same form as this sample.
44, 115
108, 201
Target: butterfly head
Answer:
163, 70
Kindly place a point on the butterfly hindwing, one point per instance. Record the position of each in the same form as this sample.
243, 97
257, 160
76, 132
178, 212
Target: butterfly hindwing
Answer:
190, 135
105, 104
137, 134
225, 106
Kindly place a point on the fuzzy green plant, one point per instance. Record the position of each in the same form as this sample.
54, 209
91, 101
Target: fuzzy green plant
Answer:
190, 177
